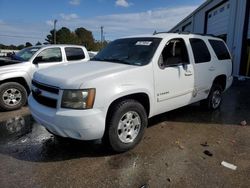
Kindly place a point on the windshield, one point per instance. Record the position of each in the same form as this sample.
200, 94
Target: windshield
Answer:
132, 51
26, 53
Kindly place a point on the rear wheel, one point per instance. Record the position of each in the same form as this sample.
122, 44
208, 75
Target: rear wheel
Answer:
126, 125
12, 96
214, 99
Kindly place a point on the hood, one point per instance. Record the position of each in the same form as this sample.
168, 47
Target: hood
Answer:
5, 62
8, 66
72, 76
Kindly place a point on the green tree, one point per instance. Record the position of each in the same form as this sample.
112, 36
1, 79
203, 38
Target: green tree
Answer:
38, 43
100, 45
65, 36
80, 36
85, 37
28, 44
21, 46
50, 37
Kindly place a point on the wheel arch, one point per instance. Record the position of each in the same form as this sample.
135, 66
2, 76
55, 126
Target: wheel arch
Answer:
142, 98
21, 80
221, 80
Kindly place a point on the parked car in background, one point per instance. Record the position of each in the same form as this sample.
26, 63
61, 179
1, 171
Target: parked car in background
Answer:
92, 54
129, 81
16, 73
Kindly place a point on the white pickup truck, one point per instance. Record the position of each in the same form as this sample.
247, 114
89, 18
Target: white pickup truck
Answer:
16, 73
129, 81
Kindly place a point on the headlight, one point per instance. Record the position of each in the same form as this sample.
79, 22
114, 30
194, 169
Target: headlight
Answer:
78, 99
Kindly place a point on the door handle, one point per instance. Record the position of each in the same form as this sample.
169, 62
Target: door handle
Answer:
189, 73
211, 69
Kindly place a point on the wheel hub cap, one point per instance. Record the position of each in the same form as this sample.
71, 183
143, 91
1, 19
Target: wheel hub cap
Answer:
12, 97
129, 127
216, 99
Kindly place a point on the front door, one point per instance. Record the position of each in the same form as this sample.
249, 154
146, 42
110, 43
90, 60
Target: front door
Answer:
48, 57
174, 77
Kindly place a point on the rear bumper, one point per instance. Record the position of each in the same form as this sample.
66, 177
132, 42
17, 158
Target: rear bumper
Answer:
229, 82
77, 124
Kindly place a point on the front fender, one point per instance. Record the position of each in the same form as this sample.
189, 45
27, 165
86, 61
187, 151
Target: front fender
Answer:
131, 90
16, 74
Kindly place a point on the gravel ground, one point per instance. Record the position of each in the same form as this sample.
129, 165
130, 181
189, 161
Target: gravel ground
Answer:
171, 153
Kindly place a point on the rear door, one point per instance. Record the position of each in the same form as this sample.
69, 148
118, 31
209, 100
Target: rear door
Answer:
223, 58
204, 68
174, 76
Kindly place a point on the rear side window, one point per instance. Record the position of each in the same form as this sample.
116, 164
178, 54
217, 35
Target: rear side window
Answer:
220, 49
73, 54
200, 51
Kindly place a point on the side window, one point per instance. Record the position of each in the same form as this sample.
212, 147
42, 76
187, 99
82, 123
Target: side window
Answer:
200, 51
73, 54
49, 55
220, 49
174, 54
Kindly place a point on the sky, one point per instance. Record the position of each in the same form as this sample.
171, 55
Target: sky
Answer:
24, 21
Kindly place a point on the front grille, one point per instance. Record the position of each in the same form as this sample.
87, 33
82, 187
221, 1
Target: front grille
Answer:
38, 91
45, 100
45, 87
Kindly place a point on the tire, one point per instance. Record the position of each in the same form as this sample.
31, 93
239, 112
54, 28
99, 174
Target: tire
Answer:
125, 126
12, 96
214, 99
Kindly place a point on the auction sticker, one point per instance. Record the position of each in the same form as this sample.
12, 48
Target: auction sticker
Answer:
144, 43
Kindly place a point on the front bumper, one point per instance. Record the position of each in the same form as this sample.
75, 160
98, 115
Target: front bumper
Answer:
78, 124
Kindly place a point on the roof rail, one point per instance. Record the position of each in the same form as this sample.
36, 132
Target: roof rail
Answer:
155, 32
185, 33
201, 34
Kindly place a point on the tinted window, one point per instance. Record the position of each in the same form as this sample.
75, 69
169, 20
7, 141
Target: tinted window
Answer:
74, 54
49, 55
200, 51
220, 49
132, 51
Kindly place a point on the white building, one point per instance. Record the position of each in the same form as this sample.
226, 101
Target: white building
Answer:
4, 52
228, 19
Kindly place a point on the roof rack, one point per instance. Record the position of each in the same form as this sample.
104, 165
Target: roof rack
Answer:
185, 33
209, 35
155, 32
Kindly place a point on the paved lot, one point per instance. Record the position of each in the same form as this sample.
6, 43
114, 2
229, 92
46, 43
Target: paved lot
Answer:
170, 155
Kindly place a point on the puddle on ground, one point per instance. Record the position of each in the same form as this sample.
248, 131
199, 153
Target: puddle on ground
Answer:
15, 127
24, 139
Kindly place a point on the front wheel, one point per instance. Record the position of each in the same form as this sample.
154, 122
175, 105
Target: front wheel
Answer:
126, 125
214, 99
12, 96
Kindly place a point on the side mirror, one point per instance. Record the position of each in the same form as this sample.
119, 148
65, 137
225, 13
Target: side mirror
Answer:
185, 65
37, 60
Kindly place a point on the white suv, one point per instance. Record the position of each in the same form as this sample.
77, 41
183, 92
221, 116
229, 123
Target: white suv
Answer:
129, 81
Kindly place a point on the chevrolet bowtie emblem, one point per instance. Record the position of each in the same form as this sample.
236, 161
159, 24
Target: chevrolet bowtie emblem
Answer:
38, 91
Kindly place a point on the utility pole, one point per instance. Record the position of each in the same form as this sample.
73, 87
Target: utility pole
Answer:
102, 34
55, 31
